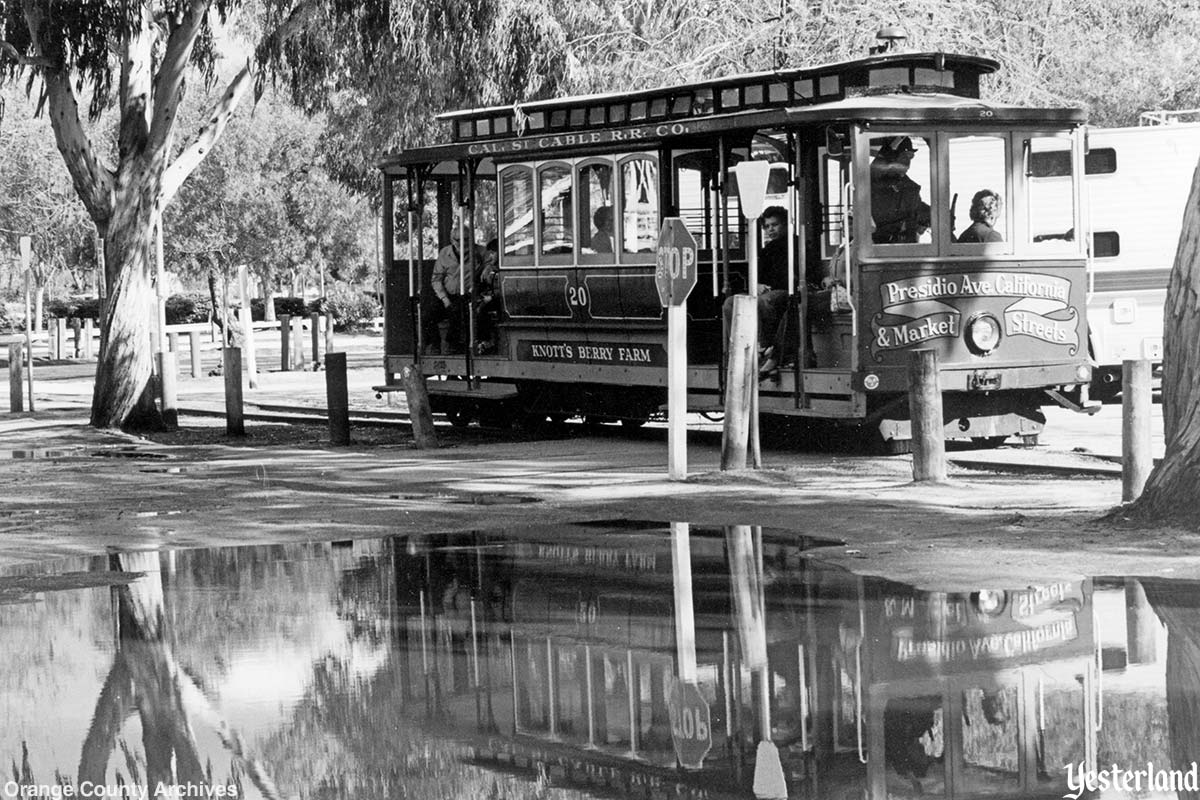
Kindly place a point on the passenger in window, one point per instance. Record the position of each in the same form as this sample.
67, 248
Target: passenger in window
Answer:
897, 209
488, 312
986, 207
445, 306
602, 239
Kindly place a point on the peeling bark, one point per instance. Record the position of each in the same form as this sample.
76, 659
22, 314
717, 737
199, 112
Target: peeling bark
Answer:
1169, 494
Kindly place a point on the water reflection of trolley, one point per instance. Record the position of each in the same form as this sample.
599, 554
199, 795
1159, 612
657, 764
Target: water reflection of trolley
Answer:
957, 695
557, 653
875, 163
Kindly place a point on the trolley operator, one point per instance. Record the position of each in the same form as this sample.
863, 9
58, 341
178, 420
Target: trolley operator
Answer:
445, 305
899, 213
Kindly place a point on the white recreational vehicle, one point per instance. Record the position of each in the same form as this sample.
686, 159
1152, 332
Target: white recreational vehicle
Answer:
1138, 180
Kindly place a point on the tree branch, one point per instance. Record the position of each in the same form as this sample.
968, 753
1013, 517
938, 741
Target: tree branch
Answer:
168, 85
93, 181
13, 54
194, 153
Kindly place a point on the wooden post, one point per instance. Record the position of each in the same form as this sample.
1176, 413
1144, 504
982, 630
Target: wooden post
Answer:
60, 339
337, 398
194, 352
173, 342
298, 341
1141, 625
685, 618
247, 317
925, 412
235, 420
314, 322
16, 380
165, 364
28, 326
419, 411
1136, 405
77, 337
285, 339
741, 373
328, 333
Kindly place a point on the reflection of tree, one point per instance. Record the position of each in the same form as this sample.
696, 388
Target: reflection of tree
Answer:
1178, 606
146, 679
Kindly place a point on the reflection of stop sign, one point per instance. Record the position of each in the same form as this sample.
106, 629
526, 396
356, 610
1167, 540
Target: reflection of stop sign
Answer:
691, 723
675, 274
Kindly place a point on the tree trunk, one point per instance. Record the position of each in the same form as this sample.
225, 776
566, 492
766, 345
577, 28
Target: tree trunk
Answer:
123, 396
1170, 491
1176, 604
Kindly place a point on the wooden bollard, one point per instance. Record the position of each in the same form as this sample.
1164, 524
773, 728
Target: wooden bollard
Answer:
314, 322
925, 412
235, 418
1136, 404
87, 338
76, 337
419, 411
167, 396
337, 398
16, 378
173, 341
740, 373
60, 338
328, 333
194, 352
298, 342
285, 340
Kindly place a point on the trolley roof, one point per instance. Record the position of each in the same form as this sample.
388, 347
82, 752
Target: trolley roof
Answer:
928, 89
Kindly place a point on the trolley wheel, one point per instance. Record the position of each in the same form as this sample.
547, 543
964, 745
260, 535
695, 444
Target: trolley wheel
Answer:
633, 423
460, 418
988, 442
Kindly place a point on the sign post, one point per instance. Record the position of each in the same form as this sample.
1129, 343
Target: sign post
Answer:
26, 246
675, 277
752, 180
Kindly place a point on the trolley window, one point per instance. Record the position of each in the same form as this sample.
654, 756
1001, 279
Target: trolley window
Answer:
901, 177
979, 194
555, 214
597, 216
639, 206
1050, 200
516, 199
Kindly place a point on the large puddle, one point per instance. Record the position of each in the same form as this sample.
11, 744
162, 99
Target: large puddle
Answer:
595, 660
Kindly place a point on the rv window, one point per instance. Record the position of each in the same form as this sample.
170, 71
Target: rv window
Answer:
1106, 244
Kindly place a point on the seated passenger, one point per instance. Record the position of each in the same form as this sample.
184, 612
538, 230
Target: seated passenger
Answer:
986, 206
445, 305
772, 286
602, 240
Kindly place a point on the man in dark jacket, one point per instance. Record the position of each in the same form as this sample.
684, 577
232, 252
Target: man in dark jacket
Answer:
899, 214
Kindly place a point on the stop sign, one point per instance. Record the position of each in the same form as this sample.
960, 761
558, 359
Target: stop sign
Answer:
675, 275
691, 723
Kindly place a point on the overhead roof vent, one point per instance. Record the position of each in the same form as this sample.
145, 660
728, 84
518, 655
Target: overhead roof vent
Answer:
890, 38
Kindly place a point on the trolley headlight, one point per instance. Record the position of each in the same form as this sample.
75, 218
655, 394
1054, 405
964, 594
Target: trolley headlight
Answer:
990, 603
982, 334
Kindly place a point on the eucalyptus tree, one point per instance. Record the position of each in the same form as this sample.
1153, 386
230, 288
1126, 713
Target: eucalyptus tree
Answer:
134, 59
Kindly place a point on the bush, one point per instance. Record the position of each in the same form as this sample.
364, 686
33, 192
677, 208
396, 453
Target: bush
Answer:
81, 308
184, 309
7, 323
292, 306
349, 307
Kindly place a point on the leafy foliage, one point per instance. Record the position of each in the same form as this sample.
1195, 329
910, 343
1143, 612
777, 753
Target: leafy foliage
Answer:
350, 308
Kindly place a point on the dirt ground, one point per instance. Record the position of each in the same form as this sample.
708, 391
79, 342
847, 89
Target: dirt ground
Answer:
1008, 516
71, 490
